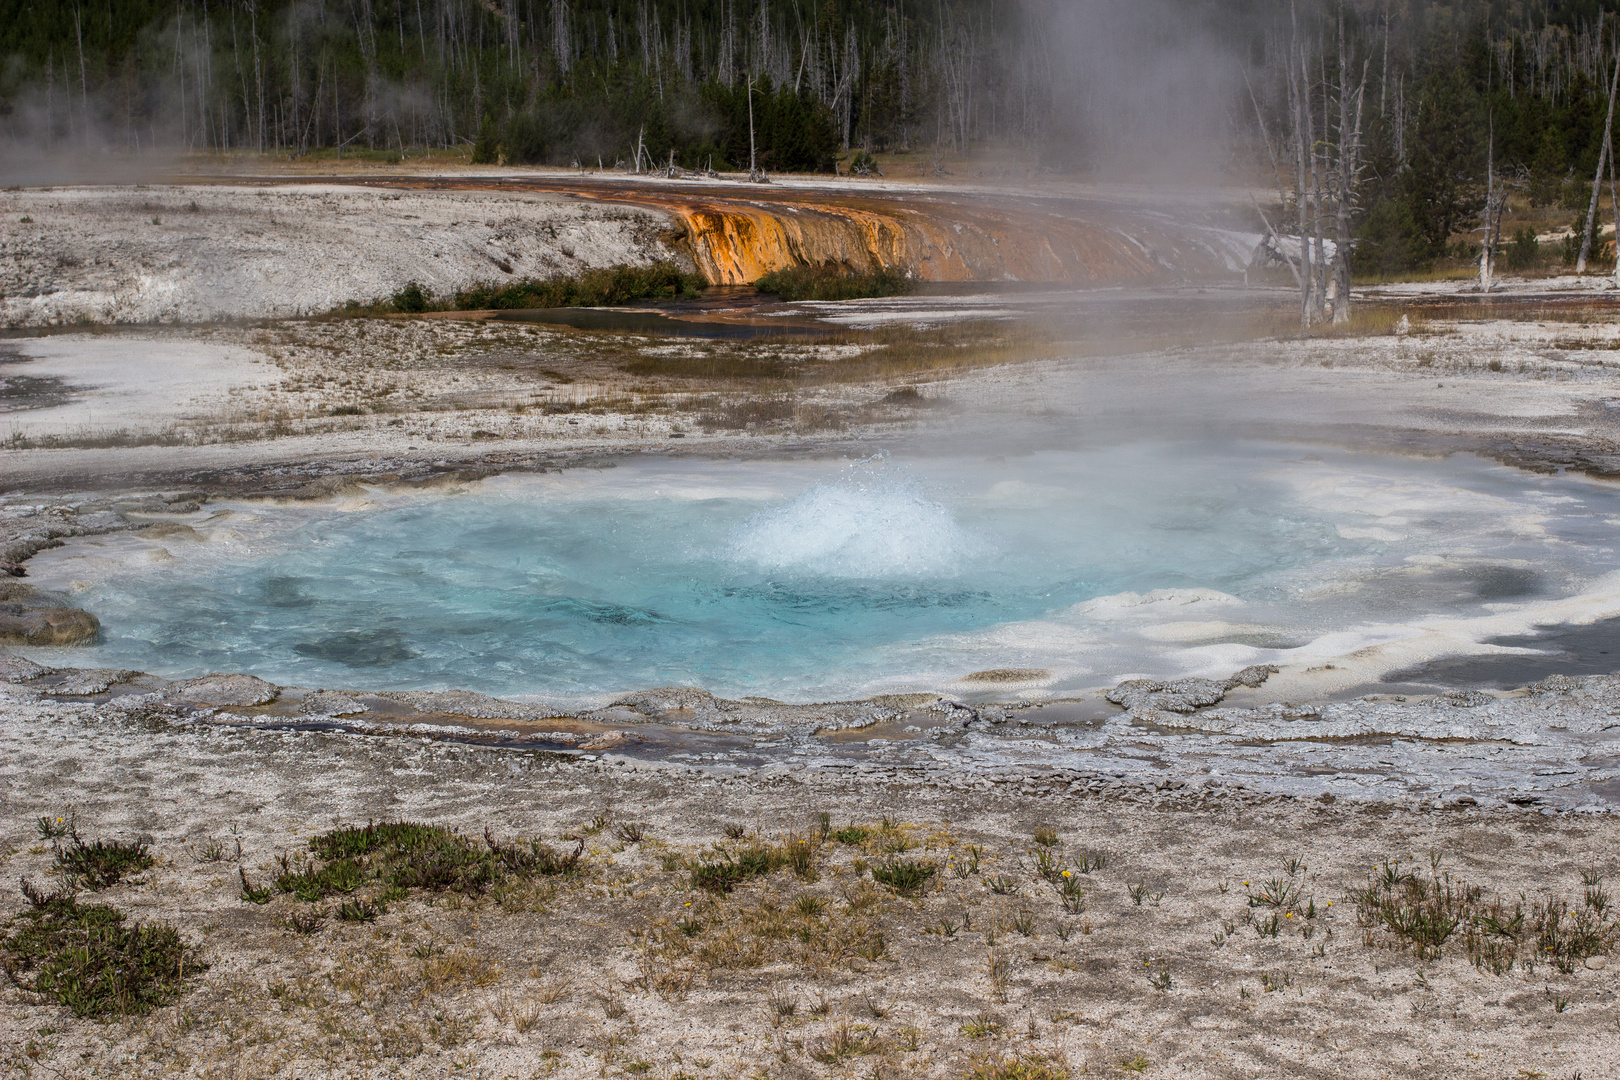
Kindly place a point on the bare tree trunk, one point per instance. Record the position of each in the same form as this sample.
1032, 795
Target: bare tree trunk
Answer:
1349, 175
1488, 243
1597, 179
84, 80
1614, 207
1301, 194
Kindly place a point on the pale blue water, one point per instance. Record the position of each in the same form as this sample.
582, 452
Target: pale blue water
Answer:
823, 579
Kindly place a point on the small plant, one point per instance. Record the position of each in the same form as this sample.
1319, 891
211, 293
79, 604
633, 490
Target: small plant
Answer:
1161, 980
1071, 894
53, 828
1278, 892
1560, 1002
1295, 865
846, 1041
1270, 927
522, 1013
1032, 1067
630, 832
821, 1006
735, 832
554, 989
1137, 1064
305, 920
999, 969
1002, 885
982, 1026
1138, 891
1091, 860
798, 854
1064, 931
821, 825
689, 927
102, 863
253, 894
26, 220
1271, 983
904, 875
1024, 923
1046, 836
360, 911
781, 1004
729, 871
968, 865
1597, 896
156, 220
215, 850
853, 835
809, 906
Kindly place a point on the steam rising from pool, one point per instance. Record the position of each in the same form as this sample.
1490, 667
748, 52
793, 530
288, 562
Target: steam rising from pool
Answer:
875, 521
815, 580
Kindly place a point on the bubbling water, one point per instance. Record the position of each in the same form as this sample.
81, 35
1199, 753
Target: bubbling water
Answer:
874, 522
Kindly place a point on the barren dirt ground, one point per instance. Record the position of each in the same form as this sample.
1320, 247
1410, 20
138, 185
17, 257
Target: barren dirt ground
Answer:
1200, 947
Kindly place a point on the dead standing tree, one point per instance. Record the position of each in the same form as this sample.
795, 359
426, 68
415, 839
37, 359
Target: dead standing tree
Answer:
1347, 173
1327, 170
1597, 178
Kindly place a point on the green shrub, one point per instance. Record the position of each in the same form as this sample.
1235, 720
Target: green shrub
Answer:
833, 283
729, 871
593, 288
412, 298
1524, 252
84, 957
393, 857
102, 863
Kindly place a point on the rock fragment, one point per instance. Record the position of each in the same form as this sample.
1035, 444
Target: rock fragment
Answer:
241, 690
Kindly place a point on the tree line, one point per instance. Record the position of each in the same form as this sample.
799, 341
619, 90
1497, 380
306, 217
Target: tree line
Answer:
556, 81
1399, 132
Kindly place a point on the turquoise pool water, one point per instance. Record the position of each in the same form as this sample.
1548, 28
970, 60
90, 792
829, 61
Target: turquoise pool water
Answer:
810, 580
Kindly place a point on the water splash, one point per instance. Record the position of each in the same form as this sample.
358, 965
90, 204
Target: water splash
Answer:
875, 521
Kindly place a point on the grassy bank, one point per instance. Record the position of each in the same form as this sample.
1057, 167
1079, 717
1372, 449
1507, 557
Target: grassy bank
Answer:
592, 288
833, 283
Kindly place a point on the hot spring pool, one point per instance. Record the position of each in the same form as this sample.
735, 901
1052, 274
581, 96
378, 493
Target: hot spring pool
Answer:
822, 579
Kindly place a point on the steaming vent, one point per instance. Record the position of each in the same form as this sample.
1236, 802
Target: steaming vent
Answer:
873, 522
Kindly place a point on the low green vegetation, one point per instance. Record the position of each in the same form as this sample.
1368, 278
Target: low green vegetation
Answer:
1427, 912
100, 863
387, 860
904, 875
86, 958
591, 288
833, 283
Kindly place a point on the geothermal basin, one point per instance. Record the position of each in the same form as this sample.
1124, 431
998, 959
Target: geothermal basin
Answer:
821, 579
